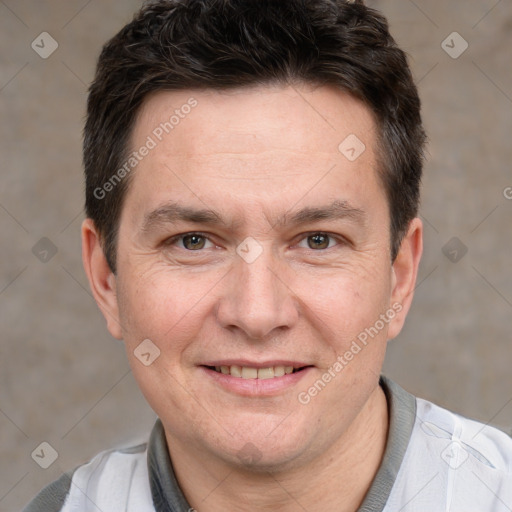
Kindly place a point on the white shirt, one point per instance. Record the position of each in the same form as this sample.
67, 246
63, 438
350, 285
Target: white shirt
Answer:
435, 461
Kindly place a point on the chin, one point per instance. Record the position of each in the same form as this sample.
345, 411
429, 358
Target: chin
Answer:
261, 452
253, 460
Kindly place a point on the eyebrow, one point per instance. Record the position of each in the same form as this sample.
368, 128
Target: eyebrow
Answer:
337, 210
170, 213
173, 212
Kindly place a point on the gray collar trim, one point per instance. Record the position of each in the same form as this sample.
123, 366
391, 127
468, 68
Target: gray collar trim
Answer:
402, 415
167, 495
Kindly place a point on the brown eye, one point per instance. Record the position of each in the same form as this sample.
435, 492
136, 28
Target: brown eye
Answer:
193, 242
318, 241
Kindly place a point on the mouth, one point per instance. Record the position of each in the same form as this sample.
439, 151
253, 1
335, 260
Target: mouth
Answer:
256, 373
256, 379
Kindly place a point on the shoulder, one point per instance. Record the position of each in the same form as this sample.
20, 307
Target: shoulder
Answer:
52, 497
109, 473
479, 441
453, 463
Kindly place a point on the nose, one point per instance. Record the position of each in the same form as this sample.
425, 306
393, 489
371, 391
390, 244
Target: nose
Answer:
257, 299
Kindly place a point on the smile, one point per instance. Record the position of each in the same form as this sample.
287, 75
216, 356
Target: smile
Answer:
248, 372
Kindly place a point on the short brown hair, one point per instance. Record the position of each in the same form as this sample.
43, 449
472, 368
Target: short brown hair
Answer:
220, 44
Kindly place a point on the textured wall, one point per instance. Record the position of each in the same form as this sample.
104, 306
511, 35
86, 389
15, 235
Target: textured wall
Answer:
65, 382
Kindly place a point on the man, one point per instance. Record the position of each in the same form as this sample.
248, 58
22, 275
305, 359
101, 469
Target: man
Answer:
252, 181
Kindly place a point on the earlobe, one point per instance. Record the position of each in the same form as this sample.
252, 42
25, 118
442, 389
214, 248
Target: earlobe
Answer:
404, 274
101, 279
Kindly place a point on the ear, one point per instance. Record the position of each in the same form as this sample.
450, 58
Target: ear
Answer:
404, 274
101, 279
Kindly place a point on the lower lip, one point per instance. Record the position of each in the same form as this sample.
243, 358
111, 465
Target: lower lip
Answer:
256, 387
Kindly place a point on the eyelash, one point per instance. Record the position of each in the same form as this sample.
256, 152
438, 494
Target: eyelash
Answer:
171, 241
174, 239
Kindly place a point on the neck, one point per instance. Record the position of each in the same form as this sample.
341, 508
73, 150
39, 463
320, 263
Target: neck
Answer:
336, 480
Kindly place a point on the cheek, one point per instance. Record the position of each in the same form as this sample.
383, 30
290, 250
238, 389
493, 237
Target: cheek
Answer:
347, 300
168, 309
161, 303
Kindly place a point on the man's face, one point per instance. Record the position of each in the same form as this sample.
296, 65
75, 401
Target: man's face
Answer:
248, 239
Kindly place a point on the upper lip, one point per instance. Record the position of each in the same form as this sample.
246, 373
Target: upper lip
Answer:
255, 364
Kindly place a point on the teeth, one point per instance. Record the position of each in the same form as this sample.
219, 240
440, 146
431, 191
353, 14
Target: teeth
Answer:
236, 371
246, 372
279, 371
266, 373
249, 373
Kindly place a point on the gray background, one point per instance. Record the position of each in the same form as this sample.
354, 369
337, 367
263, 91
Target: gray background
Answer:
63, 380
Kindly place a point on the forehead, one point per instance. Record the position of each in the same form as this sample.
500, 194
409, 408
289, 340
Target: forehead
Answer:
254, 144
252, 119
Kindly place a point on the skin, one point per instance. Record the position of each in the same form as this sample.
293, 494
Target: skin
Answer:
256, 156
